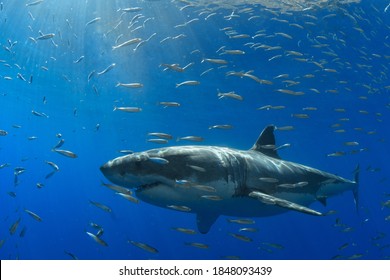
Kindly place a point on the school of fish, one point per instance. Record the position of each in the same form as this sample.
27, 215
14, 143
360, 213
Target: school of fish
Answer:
123, 62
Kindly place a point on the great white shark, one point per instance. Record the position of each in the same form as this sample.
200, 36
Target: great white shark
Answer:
211, 181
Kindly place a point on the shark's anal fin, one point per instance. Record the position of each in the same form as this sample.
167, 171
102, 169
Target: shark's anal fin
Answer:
265, 144
322, 199
205, 220
272, 200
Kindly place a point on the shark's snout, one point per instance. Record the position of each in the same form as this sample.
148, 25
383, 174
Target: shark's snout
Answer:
108, 170
105, 168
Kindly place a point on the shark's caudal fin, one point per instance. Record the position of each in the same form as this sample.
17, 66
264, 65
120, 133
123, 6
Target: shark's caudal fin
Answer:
355, 190
266, 142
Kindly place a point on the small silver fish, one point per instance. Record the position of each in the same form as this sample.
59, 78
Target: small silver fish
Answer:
286, 186
3, 133
212, 197
73, 256
215, 60
128, 197
242, 221
285, 128
45, 36
65, 153
127, 43
14, 226
268, 180
93, 21
128, 109
191, 138
131, 10
91, 74
130, 85
101, 206
108, 68
197, 245
127, 152
32, 214
144, 246
97, 239
184, 230
78, 60
241, 237
158, 141
4, 165
352, 143
95, 226
158, 160
221, 126
160, 135
118, 189
248, 229
59, 144
33, 3
39, 114
180, 208
197, 168
52, 164
12, 194
23, 232
231, 94
273, 245
204, 188
188, 83
169, 104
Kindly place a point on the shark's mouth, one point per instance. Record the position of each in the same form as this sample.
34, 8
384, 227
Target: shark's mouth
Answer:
147, 186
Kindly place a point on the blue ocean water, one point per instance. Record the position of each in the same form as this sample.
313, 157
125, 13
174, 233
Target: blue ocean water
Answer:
336, 53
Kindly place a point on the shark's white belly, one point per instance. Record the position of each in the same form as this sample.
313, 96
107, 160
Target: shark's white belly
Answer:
222, 201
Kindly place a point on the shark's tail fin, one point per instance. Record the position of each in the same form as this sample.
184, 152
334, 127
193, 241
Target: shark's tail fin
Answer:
355, 190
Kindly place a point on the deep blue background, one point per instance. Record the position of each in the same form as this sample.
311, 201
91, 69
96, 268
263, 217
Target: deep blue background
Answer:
357, 34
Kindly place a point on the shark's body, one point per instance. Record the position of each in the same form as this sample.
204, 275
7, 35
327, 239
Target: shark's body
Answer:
212, 181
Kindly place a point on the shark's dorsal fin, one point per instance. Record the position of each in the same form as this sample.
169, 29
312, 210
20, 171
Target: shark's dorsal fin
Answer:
266, 142
205, 221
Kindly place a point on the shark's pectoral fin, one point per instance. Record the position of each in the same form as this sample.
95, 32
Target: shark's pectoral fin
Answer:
272, 200
204, 221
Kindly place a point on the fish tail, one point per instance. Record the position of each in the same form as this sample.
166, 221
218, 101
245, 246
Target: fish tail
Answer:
115, 108
355, 190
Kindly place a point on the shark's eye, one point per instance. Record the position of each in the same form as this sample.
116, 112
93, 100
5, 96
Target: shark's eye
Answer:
137, 158
141, 157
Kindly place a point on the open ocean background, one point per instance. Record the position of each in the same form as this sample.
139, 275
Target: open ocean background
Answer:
336, 53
